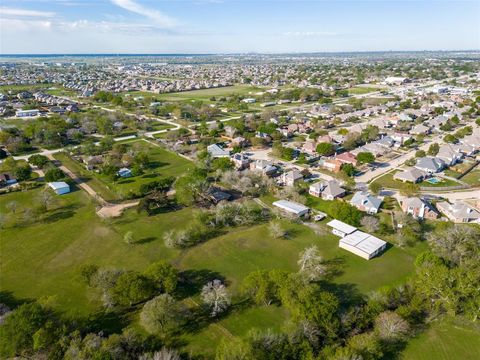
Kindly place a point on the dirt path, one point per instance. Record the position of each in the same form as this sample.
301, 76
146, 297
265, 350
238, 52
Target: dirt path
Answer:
108, 209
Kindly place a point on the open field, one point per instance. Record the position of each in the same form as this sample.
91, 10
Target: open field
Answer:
203, 94
473, 177
445, 339
362, 90
31, 87
162, 164
55, 253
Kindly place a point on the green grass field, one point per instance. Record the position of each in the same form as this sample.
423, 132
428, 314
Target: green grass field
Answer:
362, 90
445, 340
472, 178
206, 94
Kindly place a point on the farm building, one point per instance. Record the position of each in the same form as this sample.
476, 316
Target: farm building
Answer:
59, 187
292, 207
362, 244
341, 229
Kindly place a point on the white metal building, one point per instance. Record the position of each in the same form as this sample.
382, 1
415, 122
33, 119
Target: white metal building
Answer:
341, 229
362, 244
59, 187
292, 207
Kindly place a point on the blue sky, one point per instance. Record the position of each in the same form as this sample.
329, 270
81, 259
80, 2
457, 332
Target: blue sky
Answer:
223, 26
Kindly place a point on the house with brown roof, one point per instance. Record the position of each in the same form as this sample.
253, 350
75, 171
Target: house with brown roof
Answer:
418, 208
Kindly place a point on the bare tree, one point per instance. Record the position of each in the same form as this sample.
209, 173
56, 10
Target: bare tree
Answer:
164, 354
12, 206
371, 223
457, 244
390, 326
311, 264
276, 230
215, 296
46, 199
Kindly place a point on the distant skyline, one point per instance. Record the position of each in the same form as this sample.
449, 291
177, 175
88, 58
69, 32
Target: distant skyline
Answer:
227, 26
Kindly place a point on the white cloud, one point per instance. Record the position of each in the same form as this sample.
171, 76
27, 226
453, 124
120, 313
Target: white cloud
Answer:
158, 17
6, 12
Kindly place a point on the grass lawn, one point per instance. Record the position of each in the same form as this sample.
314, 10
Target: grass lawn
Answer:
441, 183
472, 178
163, 163
42, 259
362, 90
387, 181
206, 94
444, 340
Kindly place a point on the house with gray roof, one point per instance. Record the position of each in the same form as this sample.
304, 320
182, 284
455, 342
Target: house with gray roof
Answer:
216, 151
418, 208
459, 212
449, 154
364, 201
327, 190
430, 165
411, 175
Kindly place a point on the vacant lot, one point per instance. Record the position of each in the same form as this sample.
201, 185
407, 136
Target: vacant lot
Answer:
445, 340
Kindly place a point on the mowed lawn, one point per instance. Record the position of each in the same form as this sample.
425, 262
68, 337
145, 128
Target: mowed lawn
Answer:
206, 94
242, 251
163, 163
445, 340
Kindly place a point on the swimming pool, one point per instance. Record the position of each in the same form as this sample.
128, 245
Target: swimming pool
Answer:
434, 180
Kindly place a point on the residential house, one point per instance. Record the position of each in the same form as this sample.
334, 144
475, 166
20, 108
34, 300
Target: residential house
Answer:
411, 175
363, 201
420, 129
333, 165
418, 208
327, 190
430, 165
459, 212
7, 179
449, 154
347, 158
289, 178
265, 166
216, 151
241, 161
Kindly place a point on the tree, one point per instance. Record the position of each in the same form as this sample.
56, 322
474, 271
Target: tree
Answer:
260, 287
19, 328
348, 169
12, 206
222, 164
163, 354
391, 326
325, 149
132, 288
215, 296
161, 315
311, 264
420, 154
365, 158
449, 138
375, 188
22, 172
458, 244
276, 230
164, 275
45, 200
54, 174
38, 160
410, 232
371, 223
346, 213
